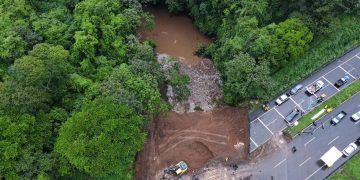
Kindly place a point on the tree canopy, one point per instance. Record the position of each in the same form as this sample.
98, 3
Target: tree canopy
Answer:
61, 66
102, 139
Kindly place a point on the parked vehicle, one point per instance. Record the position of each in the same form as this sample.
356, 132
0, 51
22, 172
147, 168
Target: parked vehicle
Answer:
283, 98
315, 87
356, 116
335, 120
331, 156
342, 81
349, 149
296, 89
291, 116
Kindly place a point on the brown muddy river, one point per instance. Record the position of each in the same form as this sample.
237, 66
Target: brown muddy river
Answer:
175, 36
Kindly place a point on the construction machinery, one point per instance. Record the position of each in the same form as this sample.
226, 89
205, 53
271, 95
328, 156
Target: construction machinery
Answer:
178, 169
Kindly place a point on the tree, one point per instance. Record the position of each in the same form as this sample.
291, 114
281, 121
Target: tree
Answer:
14, 133
36, 79
102, 139
53, 25
245, 79
280, 44
176, 6
142, 91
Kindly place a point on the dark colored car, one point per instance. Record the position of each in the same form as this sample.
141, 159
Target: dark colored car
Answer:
291, 116
335, 120
296, 89
358, 140
342, 81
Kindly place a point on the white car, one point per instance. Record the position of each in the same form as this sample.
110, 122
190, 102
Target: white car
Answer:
356, 116
282, 99
349, 149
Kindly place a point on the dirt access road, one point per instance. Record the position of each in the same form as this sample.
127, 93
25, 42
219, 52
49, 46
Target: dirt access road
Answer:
197, 138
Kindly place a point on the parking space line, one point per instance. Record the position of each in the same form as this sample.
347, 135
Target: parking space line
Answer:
357, 122
339, 65
254, 142
266, 126
309, 141
314, 82
297, 104
330, 83
278, 164
347, 72
333, 140
279, 113
305, 161
263, 114
314, 172
332, 70
274, 121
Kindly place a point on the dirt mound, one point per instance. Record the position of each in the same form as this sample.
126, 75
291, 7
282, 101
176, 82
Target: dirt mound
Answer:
196, 138
205, 85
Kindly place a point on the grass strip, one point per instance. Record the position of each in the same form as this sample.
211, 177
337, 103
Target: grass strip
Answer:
332, 102
350, 169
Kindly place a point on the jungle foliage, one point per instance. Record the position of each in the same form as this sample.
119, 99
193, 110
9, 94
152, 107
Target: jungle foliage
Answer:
77, 88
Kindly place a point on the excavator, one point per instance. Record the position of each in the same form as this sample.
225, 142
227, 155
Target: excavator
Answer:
177, 170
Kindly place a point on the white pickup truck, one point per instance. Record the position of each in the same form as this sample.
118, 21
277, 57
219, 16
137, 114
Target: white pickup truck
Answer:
331, 156
315, 87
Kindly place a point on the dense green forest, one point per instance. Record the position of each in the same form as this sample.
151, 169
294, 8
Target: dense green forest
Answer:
78, 89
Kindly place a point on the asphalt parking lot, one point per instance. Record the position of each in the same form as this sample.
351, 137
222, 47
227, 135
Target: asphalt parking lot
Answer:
264, 124
305, 163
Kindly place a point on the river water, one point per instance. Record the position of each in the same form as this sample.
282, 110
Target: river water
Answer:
175, 36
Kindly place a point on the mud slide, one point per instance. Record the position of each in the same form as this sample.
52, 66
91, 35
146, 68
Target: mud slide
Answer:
197, 138
175, 36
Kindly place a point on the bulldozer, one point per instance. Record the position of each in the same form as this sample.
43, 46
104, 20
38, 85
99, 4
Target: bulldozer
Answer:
177, 170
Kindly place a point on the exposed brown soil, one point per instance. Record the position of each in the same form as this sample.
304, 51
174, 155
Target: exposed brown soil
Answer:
175, 36
217, 137
197, 138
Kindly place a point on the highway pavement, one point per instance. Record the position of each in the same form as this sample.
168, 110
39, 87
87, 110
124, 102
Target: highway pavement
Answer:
263, 125
305, 163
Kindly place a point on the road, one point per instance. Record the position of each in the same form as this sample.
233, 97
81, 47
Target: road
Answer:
305, 164
263, 125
